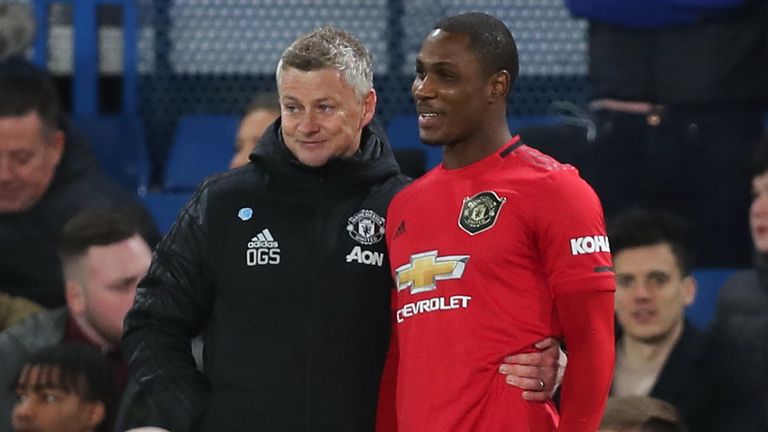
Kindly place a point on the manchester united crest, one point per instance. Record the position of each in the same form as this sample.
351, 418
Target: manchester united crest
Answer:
366, 227
479, 212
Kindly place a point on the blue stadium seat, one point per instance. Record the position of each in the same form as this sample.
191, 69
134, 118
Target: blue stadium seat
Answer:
202, 145
164, 207
119, 144
709, 281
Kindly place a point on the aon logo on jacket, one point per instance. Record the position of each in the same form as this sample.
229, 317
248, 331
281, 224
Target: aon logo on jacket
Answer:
362, 256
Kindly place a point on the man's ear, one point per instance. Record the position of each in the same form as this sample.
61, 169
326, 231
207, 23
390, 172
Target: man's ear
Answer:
98, 414
689, 290
369, 108
75, 297
499, 84
58, 141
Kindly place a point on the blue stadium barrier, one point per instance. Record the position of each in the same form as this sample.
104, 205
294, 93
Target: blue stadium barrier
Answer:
85, 89
709, 281
119, 144
203, 145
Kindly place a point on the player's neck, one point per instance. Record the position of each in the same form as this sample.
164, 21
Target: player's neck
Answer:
477, 147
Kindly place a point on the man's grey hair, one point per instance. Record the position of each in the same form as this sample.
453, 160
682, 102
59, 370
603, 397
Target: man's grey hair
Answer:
329, 47
17, 28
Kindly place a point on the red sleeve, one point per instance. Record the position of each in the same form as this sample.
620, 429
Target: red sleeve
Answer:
571, 236
587, 322
386, 413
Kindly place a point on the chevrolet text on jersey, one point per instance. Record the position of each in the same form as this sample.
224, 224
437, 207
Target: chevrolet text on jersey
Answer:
432, 305
589, 244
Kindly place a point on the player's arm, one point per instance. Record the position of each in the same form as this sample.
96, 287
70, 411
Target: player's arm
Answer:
538, 373
587, 323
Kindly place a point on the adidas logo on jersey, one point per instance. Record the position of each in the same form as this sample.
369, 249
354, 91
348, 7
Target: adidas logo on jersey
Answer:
262, 249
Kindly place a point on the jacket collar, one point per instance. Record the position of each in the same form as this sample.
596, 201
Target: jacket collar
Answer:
374, 161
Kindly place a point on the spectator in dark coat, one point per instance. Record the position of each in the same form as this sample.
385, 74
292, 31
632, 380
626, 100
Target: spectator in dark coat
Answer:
659, 353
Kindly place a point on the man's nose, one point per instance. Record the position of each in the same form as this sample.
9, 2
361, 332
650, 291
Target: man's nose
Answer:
309, 122
641, 290
422, 89
23, 409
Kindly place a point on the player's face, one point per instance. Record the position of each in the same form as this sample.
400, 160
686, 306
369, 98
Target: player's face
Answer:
50, 408
249, 133
322, 115
651, 293
450, 89
758, 212
29, 155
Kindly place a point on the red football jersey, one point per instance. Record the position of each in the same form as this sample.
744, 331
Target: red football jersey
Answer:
479, 255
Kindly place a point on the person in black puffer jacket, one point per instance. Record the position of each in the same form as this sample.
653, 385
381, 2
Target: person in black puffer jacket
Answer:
281, 265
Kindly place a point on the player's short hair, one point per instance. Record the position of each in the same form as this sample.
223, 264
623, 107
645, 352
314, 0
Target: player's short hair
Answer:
489, 38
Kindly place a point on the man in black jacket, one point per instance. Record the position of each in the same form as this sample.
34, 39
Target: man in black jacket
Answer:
281, 265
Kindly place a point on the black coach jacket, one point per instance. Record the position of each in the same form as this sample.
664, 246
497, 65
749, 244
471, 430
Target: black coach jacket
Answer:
282, 268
